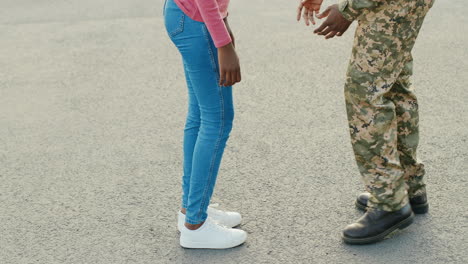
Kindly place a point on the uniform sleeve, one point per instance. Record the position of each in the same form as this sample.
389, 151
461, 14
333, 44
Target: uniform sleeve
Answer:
351, 9
209, 11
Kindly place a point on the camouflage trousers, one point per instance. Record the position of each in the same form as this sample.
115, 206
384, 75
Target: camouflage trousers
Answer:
381, 105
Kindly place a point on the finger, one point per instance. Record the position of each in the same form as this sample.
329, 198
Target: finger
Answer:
239, 76
331, 35
339, 34
228, 79
236, 76
324, 13
222, 77
326, 31
299, 11
233, 77
305, 15
310, 13
311, 17
322, 27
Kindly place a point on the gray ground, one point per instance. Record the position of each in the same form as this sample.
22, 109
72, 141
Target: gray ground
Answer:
92, 104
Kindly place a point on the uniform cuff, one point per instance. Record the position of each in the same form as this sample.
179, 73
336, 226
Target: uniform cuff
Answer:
347, 11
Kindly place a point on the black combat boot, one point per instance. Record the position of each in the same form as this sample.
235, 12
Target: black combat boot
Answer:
418, 203
375, 224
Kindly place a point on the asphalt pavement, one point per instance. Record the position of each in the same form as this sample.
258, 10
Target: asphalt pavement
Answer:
92, 108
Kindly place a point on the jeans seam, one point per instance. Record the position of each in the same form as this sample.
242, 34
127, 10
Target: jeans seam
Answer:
212, 59
215, 154
220, 135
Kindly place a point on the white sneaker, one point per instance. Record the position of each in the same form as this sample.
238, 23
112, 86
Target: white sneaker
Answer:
228, 219
212, 236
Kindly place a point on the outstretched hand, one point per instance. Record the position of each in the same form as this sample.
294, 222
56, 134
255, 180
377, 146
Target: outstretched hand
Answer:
334, 25
310, 8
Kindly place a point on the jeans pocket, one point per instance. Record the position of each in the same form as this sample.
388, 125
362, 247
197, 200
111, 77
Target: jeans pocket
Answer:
174, 21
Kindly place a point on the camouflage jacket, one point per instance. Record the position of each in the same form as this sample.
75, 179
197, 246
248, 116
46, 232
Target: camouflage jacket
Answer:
372, 9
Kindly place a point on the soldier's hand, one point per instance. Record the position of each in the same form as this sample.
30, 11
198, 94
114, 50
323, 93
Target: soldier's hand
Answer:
310, 8
334, 25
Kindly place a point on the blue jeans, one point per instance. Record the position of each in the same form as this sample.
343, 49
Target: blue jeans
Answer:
210, 111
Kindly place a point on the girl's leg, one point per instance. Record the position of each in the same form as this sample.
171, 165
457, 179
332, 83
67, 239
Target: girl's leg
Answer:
200, 57
206, 131
192, 126
215, 127
217, 114
186, 36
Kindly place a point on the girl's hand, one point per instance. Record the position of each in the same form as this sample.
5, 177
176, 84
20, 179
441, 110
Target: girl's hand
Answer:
310, 7
229, 67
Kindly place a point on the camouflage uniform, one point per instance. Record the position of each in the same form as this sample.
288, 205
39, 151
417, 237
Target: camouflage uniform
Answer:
381, 105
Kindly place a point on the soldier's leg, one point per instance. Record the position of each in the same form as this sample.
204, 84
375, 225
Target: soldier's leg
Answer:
374, 68
402, 95
382, 47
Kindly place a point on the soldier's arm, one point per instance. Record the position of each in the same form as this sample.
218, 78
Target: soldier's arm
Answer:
351, 9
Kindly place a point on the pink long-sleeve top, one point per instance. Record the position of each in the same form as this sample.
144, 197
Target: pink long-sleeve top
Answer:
210, 12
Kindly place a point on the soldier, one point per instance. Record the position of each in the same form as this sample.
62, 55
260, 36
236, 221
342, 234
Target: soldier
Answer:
382, 108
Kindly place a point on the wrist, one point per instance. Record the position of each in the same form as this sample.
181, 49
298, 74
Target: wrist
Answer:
227, 47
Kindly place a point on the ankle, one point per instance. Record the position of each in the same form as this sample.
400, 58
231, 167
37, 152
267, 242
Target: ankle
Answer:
193, 227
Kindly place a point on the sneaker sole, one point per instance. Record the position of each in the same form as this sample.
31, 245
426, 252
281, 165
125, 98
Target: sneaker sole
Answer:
178, 229
369, 240
417, 208
198, 245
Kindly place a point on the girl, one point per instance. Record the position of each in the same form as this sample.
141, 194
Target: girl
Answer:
200, 31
